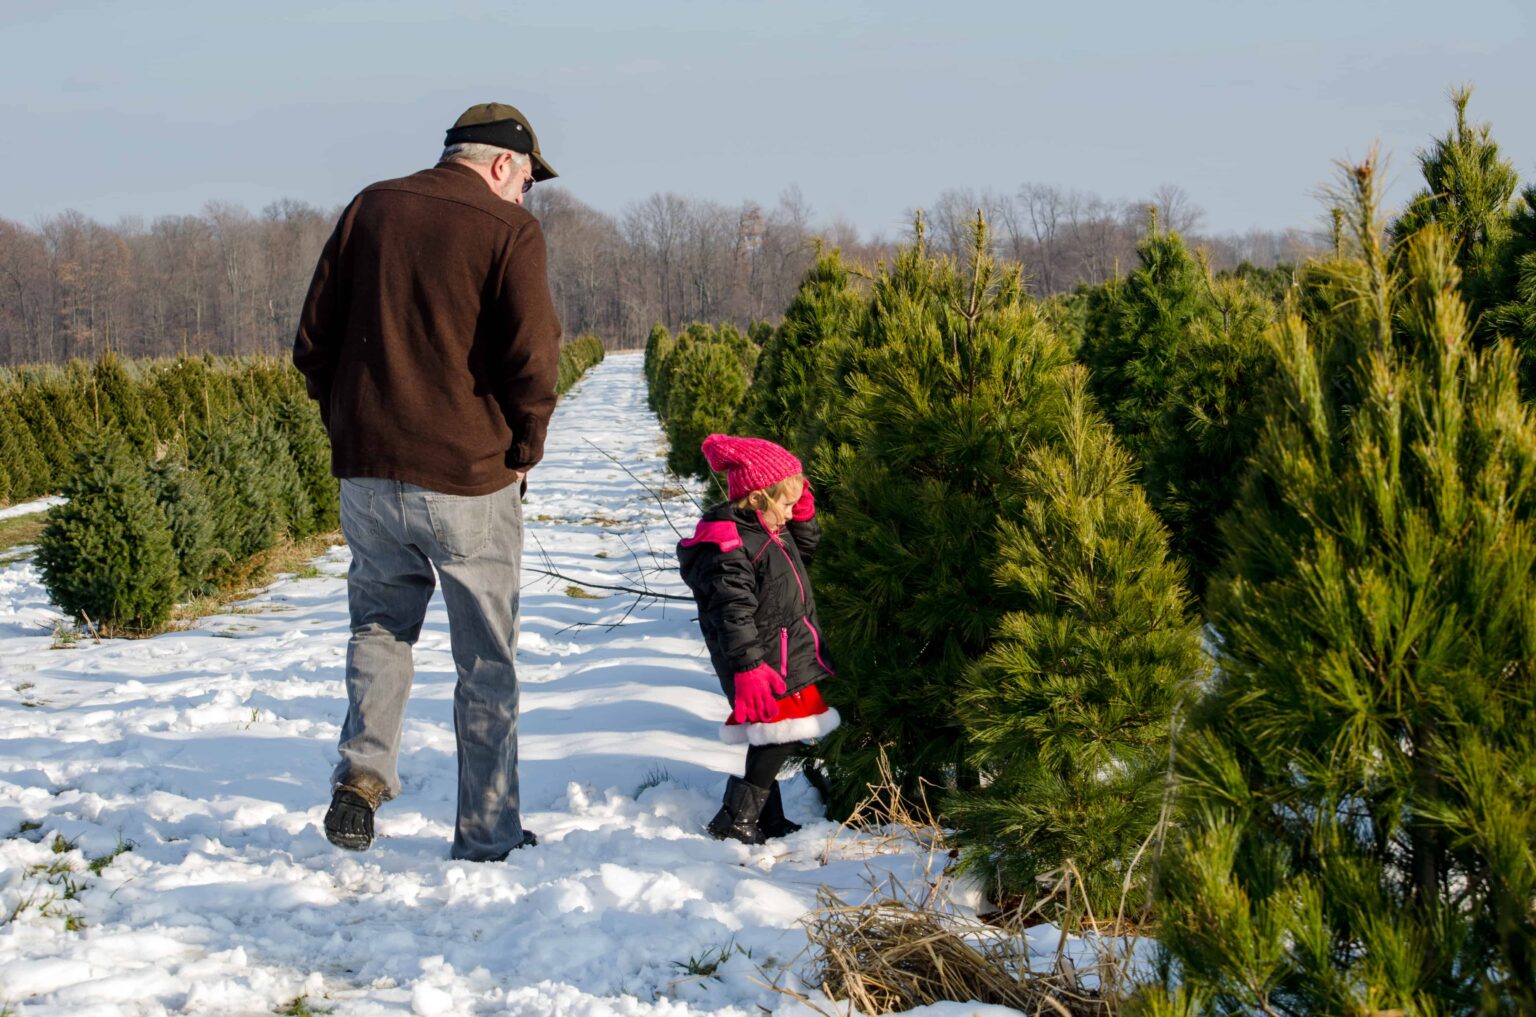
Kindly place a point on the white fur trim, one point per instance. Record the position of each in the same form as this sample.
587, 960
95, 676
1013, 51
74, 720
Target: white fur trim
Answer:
781, 732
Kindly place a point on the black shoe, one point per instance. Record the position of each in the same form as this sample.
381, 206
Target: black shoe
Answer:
530, 839
737, 818
349, 823
772, 822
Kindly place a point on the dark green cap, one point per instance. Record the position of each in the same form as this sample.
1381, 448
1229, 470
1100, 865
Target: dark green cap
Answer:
496, 123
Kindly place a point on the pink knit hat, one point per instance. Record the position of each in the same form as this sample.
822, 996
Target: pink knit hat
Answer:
749, 464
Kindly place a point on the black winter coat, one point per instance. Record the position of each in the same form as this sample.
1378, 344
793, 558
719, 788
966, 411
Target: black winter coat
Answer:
754, 595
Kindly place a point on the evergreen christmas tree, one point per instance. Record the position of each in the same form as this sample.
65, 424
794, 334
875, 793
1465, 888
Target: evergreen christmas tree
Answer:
1514, 316
956, 386
121, 407
310, 448
658, 347
789, 388
164, 421
283, 479
1069, 712
107, 552
737, 342
36, 410
246, 503
1469, 187
69, 395
1178, 362
704, 386
166, 387
188, 516
24, 463
1357, 787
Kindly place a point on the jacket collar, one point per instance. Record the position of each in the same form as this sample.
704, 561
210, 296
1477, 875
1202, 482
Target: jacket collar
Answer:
744, 518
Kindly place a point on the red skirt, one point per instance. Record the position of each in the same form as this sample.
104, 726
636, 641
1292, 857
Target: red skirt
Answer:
803, 716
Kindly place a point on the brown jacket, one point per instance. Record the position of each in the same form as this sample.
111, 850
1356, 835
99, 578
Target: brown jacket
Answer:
429, 337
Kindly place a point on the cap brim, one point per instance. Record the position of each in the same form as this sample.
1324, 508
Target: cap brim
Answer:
542, 169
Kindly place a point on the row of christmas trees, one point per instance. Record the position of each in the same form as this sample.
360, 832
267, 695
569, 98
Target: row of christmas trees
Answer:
177, 474
1210, 596
695, 384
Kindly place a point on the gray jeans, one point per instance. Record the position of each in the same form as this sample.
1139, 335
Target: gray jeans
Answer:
398, 534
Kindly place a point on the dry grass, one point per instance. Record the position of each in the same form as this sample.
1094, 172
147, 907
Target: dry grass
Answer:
235, 583
889, 955
243, 580
18, 531
914, 945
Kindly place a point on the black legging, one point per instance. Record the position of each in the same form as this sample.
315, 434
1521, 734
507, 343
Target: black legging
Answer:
764, 762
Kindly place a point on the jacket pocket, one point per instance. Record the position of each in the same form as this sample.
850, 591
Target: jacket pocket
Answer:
816, 646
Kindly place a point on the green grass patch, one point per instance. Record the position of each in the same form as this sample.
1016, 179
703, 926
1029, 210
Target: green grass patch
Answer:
97, 864
300, 1006
578, 593
18, 531
707, 963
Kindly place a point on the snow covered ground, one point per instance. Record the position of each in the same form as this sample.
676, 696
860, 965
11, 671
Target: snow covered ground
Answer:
206, 753
28, 508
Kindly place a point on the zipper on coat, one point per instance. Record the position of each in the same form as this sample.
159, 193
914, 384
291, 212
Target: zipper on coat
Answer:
784, 652
816, 646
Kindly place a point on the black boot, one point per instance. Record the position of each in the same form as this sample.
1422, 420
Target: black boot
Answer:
530, 839
737, 818
771, 821
349, 823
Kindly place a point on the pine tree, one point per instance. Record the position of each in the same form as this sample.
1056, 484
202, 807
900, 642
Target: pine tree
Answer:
69, 395
1469, 187
188, 516
576, 358
24, 462
121, 405
310, 448
705, 386
164, 421
1179, 364
790, 387
1069, 712
955, 383
107, 552
246, 504
289, 492
1358, 788
33, 405
1514, 316
658, 347
738, 343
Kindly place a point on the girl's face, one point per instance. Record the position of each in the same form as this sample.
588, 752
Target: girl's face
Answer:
776, 511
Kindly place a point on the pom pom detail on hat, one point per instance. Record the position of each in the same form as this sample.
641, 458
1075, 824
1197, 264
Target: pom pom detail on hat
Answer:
749, 464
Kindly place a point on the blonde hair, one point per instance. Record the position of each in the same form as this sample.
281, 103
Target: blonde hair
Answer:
773, 492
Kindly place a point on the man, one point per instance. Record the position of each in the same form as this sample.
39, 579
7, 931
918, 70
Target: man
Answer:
430, 341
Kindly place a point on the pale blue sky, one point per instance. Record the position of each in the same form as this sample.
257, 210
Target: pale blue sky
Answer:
148, 108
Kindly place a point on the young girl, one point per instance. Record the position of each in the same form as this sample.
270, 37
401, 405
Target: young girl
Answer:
747, 565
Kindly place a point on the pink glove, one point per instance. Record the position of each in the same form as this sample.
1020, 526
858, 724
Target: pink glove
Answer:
754, 695
805, 507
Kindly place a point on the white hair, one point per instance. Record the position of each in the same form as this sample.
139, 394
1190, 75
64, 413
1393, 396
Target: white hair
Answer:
479, 153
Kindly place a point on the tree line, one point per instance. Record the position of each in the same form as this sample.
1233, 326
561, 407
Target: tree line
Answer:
231, 282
